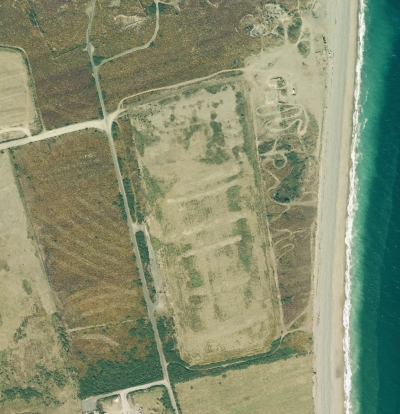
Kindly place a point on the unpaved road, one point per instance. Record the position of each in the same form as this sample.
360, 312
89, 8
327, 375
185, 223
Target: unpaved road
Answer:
99, 124
131, 225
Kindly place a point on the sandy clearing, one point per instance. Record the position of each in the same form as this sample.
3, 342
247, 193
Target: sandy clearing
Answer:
330, 263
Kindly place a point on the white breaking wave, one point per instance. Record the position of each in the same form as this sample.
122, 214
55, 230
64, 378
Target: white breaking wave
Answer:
352, 208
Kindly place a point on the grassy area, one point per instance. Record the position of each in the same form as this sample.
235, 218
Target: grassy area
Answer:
153, 188
233, 196
130, 197
194, 276
216, 152
286, 388
112, 34
129, 167
134, 369
99, 285
63, 84
245, 245
265, 146
180, 371
145, 258
143, 249
185, 60
152, 400
310, 138
290, 187
304, 48
294, 29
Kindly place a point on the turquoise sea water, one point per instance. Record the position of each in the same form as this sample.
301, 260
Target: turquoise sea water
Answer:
375, 252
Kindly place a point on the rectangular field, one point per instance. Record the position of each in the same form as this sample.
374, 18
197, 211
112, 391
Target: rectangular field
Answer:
71, 193
36, 373
196, 154
17, 108
283, 387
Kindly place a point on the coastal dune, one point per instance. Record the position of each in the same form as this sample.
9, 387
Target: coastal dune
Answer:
333, 199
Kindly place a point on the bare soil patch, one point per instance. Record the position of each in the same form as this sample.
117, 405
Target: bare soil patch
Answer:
70, 190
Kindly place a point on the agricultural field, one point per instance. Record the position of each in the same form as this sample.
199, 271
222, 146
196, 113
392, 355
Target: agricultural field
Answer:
154, 400
36, 369
191, 35
18, 115
281, 387
63, 81
79, 223
207, 220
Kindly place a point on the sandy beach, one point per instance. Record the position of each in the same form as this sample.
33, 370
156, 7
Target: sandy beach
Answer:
333, 196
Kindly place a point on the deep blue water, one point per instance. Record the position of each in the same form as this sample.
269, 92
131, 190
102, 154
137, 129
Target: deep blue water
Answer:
375, 318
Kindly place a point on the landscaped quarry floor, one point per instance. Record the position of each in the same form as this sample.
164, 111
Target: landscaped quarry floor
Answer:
207, 221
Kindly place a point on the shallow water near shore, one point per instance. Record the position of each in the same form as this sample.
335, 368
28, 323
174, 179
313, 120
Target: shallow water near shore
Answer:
375, 251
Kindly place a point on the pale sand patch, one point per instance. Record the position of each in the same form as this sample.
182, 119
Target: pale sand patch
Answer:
283, 387
330, 246
17, 109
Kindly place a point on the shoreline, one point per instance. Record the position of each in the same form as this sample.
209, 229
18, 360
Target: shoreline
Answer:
330, 259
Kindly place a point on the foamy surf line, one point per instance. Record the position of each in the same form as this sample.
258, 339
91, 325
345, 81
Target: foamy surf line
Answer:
352, 208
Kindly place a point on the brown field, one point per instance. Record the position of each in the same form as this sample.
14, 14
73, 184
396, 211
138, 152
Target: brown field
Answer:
119, 25
64, 88
199, 40
17, 107
282, 387
207, 220
36, 373
70, 190
55, 18
154, 400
